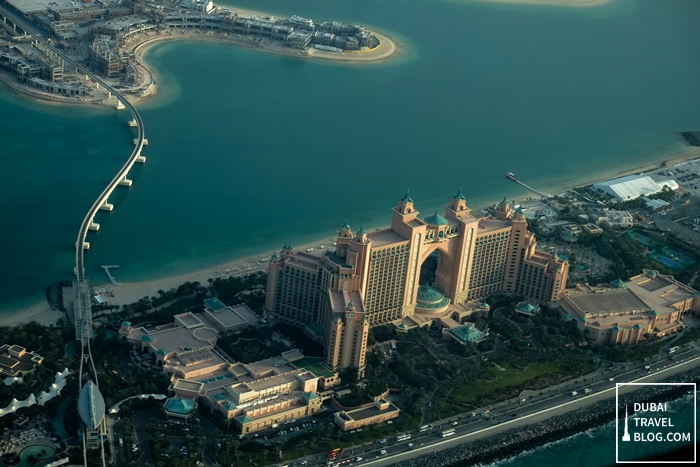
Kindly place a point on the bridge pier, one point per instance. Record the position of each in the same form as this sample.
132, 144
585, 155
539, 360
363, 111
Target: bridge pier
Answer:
133, 123
86, 245
136, 141
94, 227
106, 207
120, 105
141, 159
125, 182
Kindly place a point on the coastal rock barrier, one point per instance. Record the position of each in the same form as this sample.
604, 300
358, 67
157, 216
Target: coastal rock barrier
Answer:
518, 440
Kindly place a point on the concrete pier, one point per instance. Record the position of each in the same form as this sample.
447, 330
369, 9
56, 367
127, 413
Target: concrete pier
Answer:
120, 105
145, 141
107, 207
86, 245
109, 274
95, 227
133, 123
125, 182
141, 159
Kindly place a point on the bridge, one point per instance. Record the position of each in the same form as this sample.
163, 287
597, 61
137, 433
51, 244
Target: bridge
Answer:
81, 285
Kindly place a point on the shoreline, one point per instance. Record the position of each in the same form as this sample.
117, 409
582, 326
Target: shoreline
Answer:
525, 438
131, 292
388, 48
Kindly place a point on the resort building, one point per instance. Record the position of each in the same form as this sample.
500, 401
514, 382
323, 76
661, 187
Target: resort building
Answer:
372, 279
15, 361
630, 187
256, 396
647, 305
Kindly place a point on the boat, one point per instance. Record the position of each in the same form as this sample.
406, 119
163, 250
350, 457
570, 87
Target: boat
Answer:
511, 176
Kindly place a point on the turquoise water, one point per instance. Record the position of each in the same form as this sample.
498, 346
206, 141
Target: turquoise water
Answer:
249, 150
596, 447
36, 451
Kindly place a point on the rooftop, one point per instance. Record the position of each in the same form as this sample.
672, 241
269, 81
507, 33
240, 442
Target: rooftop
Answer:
315, 365
467, 333
384, 237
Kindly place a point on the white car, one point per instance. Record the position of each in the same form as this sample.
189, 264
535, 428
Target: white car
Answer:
382, 452
574, 393
382, 441
611, 379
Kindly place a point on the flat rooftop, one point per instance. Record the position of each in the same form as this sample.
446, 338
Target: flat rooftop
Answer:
491, 225
370, 412
610, 301
385, 237
182, 338
314, 365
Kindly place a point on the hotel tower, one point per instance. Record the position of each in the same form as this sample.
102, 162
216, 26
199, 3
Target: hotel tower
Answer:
371, 279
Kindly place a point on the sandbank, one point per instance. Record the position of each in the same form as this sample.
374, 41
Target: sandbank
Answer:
564, 3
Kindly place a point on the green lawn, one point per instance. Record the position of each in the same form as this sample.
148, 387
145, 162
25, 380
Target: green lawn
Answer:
689, 335
493, 384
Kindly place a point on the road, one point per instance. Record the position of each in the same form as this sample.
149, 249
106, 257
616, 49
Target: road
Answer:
529, 414
555, 402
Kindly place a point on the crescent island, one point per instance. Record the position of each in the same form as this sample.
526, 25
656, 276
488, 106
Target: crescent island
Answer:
111, 37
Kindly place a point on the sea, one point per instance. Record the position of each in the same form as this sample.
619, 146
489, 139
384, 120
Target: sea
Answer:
250, 150
597, 447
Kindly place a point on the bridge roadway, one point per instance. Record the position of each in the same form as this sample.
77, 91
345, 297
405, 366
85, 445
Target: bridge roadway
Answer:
81, 286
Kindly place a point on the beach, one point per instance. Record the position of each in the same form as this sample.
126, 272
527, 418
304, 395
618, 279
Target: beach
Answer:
128, 293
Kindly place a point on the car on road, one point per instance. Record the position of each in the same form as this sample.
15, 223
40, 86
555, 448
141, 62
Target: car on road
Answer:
382, 441
303, 462
410, 445
382, 452
611, 379
574, 393
455, 423
587, 390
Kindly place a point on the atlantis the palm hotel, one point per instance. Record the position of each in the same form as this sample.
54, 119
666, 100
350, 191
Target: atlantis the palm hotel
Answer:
372, 279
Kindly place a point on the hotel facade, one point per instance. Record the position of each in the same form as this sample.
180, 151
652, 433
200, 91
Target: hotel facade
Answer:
372, 279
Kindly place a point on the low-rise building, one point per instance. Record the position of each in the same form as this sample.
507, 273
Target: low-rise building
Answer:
16, 361
592, 229
256, 395
647, 305
379, 411
570, 233
622, 219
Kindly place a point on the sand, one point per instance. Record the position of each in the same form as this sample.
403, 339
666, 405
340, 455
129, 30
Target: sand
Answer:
131, 292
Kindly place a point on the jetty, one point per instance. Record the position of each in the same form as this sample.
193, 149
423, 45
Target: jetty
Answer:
109, 274
512, 177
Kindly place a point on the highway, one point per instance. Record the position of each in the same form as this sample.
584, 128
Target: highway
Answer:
471, 428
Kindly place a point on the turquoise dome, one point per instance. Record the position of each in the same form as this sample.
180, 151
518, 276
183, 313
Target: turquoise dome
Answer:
436, 219
617, 284
428, 294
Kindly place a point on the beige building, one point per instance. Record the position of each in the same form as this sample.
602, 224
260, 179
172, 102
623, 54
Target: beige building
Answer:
256, 395
378, 273
16, 361
647, 305
381, 410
